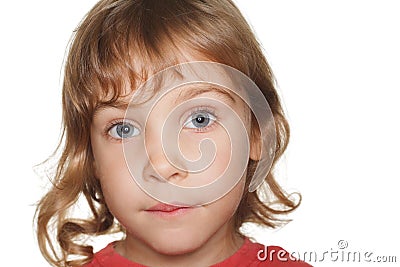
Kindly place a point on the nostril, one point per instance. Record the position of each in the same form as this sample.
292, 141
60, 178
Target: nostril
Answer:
176, 178
162, 171
156, 178
158, 168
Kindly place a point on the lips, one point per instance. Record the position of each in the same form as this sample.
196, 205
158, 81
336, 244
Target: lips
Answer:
165, 210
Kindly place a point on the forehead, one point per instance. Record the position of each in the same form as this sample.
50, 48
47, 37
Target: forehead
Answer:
189, 79
174, 96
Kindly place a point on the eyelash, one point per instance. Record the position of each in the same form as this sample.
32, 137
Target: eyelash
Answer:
203, 109
199, 109
111, 125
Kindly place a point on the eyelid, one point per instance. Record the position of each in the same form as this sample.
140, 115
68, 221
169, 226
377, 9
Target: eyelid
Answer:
201, 109
192, 111
113, 123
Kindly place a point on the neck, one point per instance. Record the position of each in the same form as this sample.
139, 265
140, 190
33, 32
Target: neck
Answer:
224, 243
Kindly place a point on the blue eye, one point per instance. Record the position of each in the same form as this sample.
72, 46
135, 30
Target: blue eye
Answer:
123, 130
200, 120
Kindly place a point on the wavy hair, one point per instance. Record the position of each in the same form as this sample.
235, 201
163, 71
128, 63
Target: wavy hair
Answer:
122, 41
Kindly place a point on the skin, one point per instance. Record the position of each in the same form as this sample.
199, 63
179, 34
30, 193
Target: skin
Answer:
202, 235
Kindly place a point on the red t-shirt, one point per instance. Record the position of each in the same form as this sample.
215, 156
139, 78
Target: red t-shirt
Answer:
249, 254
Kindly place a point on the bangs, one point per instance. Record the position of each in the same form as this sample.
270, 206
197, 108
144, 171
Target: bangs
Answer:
119, 46
119, 49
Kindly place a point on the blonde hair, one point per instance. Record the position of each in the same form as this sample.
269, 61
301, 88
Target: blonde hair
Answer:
120, 41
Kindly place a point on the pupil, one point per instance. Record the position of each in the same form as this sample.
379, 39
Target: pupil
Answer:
125, 129
200, 119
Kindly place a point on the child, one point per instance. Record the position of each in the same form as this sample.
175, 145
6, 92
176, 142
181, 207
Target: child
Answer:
167, 139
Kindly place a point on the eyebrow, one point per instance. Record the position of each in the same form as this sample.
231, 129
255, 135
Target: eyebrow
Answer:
183, 96
199, 90
120, 105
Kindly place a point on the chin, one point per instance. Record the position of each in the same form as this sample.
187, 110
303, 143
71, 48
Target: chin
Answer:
177, 244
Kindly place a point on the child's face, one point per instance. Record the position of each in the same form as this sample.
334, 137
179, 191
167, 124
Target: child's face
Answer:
202, 116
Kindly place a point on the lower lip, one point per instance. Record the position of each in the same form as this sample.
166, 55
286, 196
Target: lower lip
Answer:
170, 214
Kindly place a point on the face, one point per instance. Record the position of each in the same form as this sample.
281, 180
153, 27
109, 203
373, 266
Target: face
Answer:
147, 221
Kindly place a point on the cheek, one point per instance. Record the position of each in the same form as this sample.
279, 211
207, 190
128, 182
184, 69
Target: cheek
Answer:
219, 146
225, 207
223, 156
108, 157
121, 193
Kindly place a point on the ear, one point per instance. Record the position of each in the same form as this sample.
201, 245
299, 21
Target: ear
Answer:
255, 143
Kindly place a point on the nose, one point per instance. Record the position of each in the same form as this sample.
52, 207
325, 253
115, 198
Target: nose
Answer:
158, 166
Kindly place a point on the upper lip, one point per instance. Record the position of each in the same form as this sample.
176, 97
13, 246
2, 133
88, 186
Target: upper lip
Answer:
164, 207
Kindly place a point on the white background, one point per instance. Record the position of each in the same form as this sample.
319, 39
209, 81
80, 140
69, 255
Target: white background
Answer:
337, 64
